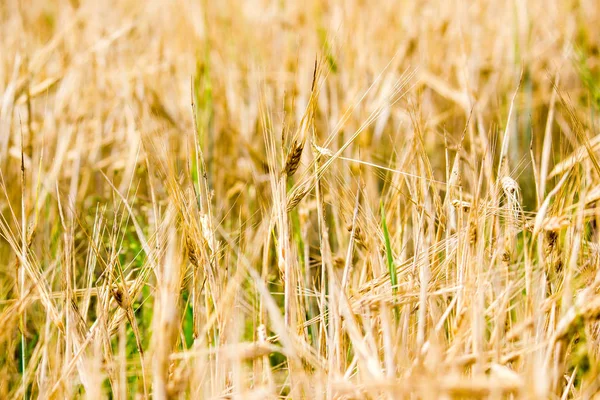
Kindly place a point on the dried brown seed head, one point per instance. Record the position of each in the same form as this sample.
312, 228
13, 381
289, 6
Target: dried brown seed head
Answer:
293, 158
297, 195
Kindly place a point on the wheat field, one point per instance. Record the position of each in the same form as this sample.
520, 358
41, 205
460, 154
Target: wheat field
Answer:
254, 199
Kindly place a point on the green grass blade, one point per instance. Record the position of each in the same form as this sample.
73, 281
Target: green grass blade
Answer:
388, 252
